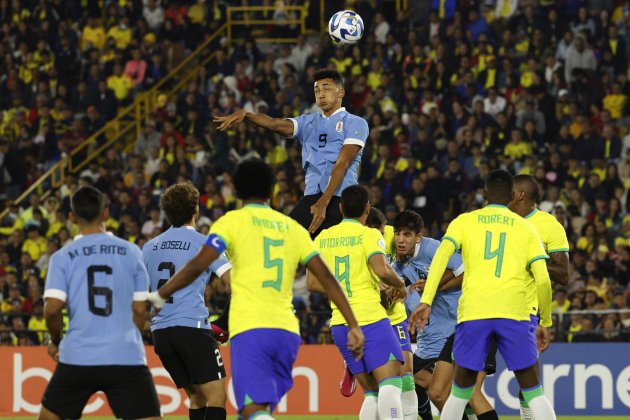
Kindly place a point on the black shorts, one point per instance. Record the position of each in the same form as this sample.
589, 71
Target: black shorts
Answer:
129, 390
446, 355
190, 355
423, 364
301, 213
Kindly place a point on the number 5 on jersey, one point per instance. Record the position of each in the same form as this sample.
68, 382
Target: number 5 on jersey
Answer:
275, 263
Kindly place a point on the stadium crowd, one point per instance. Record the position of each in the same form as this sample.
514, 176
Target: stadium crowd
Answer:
535, 87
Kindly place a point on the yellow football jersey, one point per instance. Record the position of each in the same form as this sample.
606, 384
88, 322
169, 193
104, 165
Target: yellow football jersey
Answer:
265, 248
346, 248
396, 313
498, 246
554, 239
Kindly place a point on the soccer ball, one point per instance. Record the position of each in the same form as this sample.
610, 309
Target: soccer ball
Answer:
345, 27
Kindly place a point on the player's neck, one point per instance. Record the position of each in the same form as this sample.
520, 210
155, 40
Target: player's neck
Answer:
528, 210
332, 111
92, 229
256, 201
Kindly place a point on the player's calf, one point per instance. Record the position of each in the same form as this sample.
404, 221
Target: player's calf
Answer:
533, 393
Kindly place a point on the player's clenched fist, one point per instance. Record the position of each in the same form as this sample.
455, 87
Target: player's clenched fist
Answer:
156, 300
355, 342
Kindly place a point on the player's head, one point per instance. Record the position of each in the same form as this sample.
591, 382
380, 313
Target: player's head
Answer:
376, 220
88, 206
329, 89
408, 227
499, 187
355, 202
525, 194
253, 180
180, 203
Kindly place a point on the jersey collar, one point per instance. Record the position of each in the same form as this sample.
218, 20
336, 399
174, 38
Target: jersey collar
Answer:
500, 206
352, 221
417, 251
527, 216
342, 109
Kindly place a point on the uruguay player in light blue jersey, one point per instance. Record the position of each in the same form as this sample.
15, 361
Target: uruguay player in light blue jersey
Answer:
332, 143
102, 281
181, 331
414, 254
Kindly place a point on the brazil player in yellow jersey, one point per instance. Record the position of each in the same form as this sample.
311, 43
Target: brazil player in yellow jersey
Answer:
265, 248
500, 250
357, 254
554, 240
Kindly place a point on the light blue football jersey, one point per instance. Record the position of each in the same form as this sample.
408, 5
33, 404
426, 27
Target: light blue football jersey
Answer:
99, 276
444, 309
166, 254
321, 139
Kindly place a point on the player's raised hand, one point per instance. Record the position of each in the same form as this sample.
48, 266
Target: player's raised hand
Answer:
223, 123
419, 317
318, 210
542, 338
355, 342
398, 294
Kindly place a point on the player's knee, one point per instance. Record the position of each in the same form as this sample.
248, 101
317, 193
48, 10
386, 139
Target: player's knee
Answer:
438, 395
214, 393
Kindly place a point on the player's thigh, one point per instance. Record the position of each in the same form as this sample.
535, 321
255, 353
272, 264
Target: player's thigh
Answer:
440, 386
516, 340
69, 389
301, 213
130, 391
471, 343
382, 352
333, 214
213, 392
422, 370
367, 382
190, 355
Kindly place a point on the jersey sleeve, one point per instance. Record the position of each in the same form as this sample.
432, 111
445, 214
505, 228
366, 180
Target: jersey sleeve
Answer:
305, 246
140, 276
221, 265
56, 279
356, 131
536, 250
455, 231
220, 235
298, 124
456, 264
373, 243
558, 241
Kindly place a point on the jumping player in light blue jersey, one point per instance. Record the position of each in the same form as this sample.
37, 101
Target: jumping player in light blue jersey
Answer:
332, 143
104, 284
181, 331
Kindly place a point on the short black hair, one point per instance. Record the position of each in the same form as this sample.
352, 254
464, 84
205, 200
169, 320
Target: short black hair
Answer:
179, 203
253, 178
410, 220
87, 203
328, 74
529, 186
499, 186
375, 218
354, 199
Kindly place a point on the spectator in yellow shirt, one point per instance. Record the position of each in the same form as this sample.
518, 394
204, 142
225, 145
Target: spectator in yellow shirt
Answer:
560, 304
120, 83
35, 245
516, 148
615, 102
121, 33
37, 323
93, 35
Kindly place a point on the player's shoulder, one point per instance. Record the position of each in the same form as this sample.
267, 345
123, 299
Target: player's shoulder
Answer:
354, 119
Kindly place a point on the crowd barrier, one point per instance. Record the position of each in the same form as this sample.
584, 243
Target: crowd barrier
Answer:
580, 379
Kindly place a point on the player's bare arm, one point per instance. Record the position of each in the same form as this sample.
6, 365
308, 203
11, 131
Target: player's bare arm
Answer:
54, 323
312, 284
281, 126
185, 276
140, 314
543, 290
332, 288
558, 267
384, 271
346, 156
449, 281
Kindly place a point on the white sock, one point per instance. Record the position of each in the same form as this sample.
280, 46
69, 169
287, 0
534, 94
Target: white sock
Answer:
472, 416
526, 413
261, 416
369, 409
409, 398
541, 408
389, 399
454, 408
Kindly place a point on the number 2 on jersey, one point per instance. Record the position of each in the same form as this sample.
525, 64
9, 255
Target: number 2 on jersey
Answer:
497, 253
275, 263
345, 275
166, 265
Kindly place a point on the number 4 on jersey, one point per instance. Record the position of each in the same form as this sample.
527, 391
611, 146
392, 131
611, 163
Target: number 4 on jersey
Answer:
497, 253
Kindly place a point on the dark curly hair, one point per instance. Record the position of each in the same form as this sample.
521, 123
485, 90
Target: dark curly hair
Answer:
179, 203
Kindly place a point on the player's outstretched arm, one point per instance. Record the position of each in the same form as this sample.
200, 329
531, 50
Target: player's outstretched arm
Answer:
543, 290
558, 267
346, 156
384, 271
185, 276
281, 126
355, 336
54, 323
